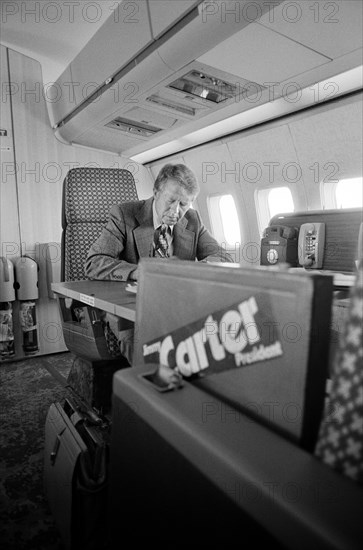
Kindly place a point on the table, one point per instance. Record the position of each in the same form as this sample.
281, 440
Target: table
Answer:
84, 336
109, 296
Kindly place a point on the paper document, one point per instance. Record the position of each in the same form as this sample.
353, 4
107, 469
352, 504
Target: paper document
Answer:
131, 287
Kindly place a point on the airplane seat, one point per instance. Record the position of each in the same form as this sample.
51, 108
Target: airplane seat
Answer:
340, 439
88, 194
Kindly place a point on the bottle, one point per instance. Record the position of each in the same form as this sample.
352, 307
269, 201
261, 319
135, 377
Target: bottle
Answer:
29, 327
6, 330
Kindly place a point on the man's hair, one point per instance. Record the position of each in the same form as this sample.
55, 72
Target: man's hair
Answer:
183, 175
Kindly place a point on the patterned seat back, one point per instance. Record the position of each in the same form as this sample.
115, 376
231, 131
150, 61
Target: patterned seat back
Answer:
340, 442
88, 194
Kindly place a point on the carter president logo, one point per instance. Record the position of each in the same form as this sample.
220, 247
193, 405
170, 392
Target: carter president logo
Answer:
233, 337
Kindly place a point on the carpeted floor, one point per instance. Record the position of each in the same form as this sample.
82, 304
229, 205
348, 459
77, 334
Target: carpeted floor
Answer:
27, 390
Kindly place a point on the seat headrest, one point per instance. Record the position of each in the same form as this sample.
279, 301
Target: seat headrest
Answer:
88, 193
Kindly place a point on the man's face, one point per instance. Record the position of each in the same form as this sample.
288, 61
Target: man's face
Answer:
171, 202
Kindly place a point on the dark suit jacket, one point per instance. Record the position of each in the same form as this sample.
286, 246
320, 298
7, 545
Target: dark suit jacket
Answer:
128, 236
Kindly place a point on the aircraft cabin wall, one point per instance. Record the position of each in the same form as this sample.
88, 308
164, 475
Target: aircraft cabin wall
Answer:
33, 166
303, 152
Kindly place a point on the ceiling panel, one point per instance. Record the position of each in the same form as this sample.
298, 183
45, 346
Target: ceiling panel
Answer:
261, 55
52, 32
162, 18
331, 28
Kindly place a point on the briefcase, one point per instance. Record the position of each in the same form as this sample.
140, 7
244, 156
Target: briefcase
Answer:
76, 475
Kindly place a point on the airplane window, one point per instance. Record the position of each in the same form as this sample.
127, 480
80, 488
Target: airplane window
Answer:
346, 193
349, 193
270, 202
230, 221
224, 217
280, 200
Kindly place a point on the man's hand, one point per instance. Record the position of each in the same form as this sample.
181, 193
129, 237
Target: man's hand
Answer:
165, 376
134, 275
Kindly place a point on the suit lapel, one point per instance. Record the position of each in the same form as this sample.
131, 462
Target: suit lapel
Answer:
144, 233
183, 241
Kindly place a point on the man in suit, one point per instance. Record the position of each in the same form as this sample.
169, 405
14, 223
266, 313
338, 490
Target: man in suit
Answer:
129, 234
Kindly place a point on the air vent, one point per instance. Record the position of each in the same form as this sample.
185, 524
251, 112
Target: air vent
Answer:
205, 86
131, 127
161, 102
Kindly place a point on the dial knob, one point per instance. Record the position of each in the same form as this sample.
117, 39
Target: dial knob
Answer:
272, 256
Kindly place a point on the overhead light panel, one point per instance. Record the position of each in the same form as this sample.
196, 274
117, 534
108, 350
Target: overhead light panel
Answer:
205, 86
132, 127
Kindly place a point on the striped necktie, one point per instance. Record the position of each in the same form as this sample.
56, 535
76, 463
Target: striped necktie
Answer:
161, 247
